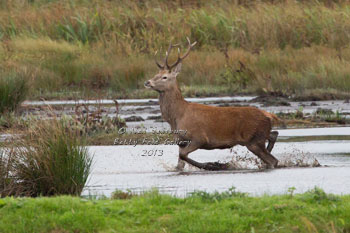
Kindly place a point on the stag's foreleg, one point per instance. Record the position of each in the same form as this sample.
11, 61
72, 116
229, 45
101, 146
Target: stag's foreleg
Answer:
272, 139
180, 164
183, 156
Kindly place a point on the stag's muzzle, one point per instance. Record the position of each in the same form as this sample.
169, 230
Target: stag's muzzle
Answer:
147, 84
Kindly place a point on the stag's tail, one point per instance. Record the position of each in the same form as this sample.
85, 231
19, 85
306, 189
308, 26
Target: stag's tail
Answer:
274, 119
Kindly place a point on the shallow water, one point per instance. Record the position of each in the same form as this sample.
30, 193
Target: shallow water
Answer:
314, 131
124, 167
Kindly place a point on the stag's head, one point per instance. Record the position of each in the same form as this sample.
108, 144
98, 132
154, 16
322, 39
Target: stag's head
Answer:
165, 79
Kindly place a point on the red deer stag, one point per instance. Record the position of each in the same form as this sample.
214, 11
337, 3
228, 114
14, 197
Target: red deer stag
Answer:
210, 127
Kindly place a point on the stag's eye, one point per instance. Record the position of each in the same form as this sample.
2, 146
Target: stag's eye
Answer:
164, 77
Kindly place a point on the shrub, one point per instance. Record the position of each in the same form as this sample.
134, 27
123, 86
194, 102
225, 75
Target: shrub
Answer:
13, 91
317, 195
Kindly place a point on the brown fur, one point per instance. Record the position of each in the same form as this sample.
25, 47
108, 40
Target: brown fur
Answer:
214, 127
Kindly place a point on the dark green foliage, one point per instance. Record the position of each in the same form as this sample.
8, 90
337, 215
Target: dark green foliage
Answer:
318, 195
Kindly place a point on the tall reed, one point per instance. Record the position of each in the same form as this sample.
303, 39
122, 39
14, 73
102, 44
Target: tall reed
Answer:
146, 25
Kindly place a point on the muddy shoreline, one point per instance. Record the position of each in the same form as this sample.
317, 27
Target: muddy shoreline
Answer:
147, 111
145, 114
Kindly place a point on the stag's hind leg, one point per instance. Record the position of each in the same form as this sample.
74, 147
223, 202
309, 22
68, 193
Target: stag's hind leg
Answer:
259, 150
272, 139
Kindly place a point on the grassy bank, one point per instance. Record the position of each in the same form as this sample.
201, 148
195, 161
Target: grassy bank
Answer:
313, 211
75, 49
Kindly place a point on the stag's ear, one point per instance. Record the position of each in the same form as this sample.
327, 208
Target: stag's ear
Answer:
177, 69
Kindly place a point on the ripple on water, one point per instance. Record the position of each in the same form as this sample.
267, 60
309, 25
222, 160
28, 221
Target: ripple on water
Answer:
122, 167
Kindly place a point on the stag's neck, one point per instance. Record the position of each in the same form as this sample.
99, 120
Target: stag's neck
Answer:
172, 106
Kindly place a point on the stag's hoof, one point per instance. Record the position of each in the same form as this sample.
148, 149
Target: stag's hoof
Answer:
179, 168
180, 165
216, 166
272, 166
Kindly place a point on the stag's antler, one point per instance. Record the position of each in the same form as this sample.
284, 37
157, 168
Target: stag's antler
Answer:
179, 58
155, 59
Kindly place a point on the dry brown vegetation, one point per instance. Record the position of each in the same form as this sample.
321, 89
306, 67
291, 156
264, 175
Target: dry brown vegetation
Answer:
70, 49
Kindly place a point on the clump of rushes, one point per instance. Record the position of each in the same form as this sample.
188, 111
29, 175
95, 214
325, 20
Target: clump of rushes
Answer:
13, 91
6, 182
9, 185
50, 160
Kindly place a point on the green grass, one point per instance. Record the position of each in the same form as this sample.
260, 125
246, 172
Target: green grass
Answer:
90, 49
313, 211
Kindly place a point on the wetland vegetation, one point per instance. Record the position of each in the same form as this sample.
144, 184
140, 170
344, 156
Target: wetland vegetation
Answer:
104, 49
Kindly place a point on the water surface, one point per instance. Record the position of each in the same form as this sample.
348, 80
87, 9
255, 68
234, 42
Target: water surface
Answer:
124, 167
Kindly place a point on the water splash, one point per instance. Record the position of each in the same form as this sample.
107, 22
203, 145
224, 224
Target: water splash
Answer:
296, 158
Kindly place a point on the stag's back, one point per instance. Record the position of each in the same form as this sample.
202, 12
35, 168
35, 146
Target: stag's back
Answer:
224, 125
